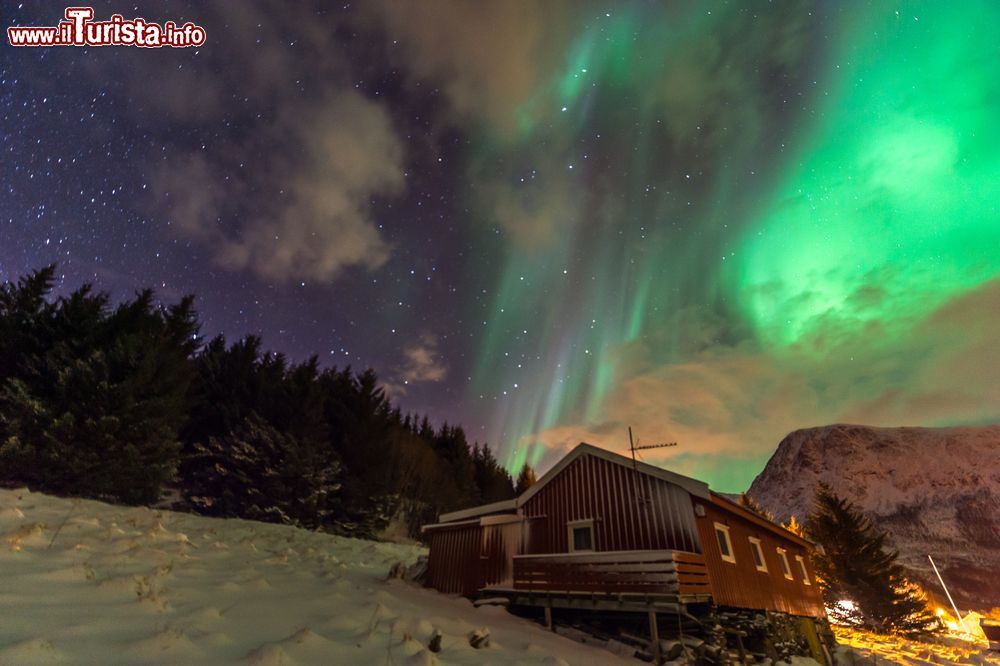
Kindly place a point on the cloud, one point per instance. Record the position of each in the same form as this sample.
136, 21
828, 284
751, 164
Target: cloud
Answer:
736, 401
284, 157
544, 85
291, 202
489, 57
422, 363
950, 366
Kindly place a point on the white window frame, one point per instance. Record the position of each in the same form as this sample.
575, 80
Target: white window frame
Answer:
756, 547
576, 524
786, 568
724, 531
805, 573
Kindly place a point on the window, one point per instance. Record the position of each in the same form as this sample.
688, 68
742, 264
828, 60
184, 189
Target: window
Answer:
581, 535
802, 565
725, 544
784, 563
758, 554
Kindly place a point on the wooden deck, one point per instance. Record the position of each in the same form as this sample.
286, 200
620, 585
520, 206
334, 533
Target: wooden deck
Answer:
663, 574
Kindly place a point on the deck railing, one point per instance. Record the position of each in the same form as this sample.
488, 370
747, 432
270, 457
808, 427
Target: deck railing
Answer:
645, 571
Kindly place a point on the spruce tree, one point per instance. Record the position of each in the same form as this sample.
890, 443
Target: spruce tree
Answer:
93, 406
525, 479
260, 473
748, 502
854, 565
795, 527
492, 482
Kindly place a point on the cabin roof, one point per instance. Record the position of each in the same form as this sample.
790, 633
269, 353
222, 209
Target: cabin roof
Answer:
693, 486
482, 510
696, 488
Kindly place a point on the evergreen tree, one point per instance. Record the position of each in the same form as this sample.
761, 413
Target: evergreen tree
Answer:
748, 502
25, 322
93, 405
795, 527
453, 449
525, 480
230, 384
260, 473
493, 483
359, 420
855, 565
104, 400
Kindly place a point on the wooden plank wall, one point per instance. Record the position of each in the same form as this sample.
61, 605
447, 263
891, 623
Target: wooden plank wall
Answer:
500, 544
630, 511
642, 572
740, 584
453, 563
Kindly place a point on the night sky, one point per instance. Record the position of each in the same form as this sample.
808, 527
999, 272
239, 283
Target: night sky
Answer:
547, 221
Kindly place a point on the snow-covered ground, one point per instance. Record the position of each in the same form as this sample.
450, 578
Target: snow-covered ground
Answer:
121, 585
862, 648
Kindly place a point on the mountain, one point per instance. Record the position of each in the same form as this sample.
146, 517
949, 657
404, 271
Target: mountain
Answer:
934, 490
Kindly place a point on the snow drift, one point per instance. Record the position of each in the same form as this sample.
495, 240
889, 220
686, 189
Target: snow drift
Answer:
82, 582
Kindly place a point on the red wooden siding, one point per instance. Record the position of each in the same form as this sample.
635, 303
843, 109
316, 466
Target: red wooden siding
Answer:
631, 511
501, 542
648, 538
740, 584
465, 558
636, 572
453, 564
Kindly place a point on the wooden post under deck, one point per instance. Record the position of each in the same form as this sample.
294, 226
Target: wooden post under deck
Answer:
654, 636
548, 618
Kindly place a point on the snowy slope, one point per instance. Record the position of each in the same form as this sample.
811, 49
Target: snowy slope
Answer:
935, 490
133, 585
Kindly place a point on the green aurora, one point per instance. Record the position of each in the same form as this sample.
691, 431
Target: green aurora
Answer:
689, 181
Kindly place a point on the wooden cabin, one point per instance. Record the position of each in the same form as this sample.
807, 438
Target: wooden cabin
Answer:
600, 531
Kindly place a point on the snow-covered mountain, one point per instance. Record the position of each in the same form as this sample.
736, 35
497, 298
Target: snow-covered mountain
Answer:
934, 490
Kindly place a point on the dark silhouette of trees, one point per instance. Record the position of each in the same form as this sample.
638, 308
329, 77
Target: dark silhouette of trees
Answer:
91, 396
748, 502
525, 479
123, 401
492, 481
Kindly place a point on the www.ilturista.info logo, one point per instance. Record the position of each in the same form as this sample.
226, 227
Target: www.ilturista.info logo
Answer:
80, 30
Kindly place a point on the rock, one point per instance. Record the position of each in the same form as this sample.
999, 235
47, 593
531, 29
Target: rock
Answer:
435, 642
398, 570
480, 638
579, 636
619, 648
670, 650
417, 571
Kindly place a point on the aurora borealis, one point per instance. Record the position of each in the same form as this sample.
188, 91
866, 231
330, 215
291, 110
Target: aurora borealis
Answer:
801, 227
548, 221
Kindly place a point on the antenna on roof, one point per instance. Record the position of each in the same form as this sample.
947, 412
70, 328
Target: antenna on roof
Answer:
634, 446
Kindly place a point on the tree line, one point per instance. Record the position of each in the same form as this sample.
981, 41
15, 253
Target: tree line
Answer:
125, 402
